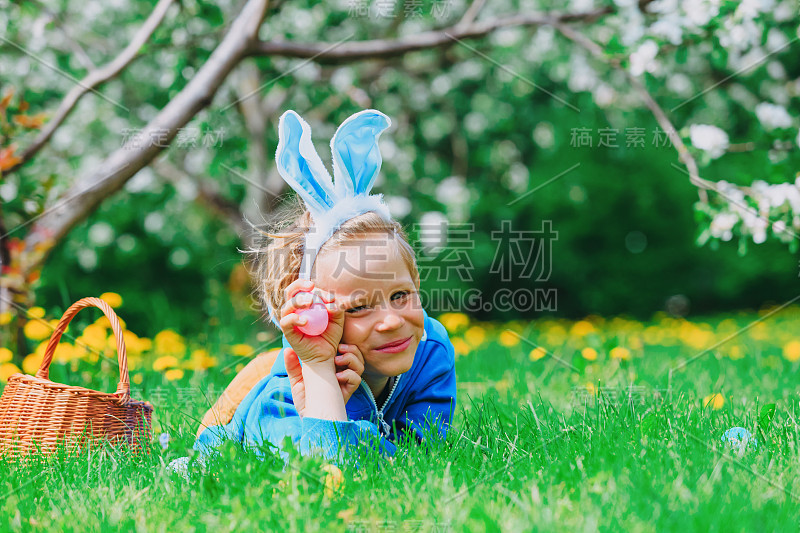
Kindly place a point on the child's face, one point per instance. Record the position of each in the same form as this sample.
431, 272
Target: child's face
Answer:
381, 300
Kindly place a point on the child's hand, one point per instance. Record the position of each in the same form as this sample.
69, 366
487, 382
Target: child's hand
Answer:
311, 350
349, 366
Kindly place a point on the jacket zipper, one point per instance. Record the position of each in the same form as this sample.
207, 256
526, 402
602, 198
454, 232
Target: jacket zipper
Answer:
384, 426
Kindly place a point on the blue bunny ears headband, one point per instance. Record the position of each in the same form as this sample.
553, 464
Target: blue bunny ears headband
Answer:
356, 163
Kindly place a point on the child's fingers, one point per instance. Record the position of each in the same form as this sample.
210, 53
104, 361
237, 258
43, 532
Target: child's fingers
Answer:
301, 300
349, 360
335, 311
349, 381
304, 299
351, 348
289, 321
326, 296
298, 285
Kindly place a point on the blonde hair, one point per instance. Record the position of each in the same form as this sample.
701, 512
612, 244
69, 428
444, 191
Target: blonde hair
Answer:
277, 254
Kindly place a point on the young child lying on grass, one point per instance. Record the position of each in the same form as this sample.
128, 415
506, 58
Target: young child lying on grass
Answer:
382, 366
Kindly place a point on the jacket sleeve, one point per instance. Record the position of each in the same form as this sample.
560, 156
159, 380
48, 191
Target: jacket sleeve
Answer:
267, 416
431, 407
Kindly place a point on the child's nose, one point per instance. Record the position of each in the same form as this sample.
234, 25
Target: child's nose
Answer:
391, 320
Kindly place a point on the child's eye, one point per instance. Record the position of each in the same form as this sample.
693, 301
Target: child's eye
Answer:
356, 309
400, 294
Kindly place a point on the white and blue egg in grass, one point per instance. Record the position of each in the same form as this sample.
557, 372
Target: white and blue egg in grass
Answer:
739, 437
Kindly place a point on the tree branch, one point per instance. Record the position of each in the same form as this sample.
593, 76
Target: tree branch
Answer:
85, 195
661, 117
323, 52
95, 78
471, 13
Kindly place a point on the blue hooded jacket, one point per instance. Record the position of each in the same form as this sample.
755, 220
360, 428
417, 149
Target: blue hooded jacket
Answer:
422, 399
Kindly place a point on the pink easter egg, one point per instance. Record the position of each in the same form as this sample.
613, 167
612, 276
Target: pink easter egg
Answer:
317, 316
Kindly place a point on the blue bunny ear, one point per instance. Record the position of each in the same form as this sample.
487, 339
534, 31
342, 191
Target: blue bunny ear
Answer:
356, 156
299, 164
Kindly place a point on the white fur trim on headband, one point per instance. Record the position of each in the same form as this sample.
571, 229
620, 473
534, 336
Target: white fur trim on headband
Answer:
326, 224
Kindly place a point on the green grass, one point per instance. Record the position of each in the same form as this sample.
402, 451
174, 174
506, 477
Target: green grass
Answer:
528, 451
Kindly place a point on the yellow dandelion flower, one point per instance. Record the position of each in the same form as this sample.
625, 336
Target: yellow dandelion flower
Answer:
31, 363
7, 370
736, 353
168, 342
557, 331
508, 338
37, 330
79, 351
164, 362
582, 328
333, 479
502, 385
145, 344
591, 388
635, 343
112, 298
454, 321
132, 344
94, 337
653, 335
759, 331
242, 350
791, 351
172, 375
104, 322
137, 378
5, 355
619, 352
590, 354
537, 353
475, 336
201, 360
460, 346
5, 318
36, 312
64, 353
715, 401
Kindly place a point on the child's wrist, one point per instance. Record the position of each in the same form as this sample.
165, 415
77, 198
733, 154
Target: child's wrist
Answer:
323, 394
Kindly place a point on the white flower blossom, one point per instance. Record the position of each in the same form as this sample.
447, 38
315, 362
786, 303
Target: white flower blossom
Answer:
433, 232
776, 40
750, 9
779, 227
399, 206
643, 59
669, 27
722, 225
452, 191
773, 116
680, 84
582, 76
758, 228
700, 13
710, 139
742, 35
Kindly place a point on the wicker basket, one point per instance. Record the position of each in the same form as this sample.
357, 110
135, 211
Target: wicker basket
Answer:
36, 413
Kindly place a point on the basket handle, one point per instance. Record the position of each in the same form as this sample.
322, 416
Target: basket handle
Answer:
124, 386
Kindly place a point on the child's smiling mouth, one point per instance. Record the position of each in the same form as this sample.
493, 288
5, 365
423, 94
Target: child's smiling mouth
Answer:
395, 346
